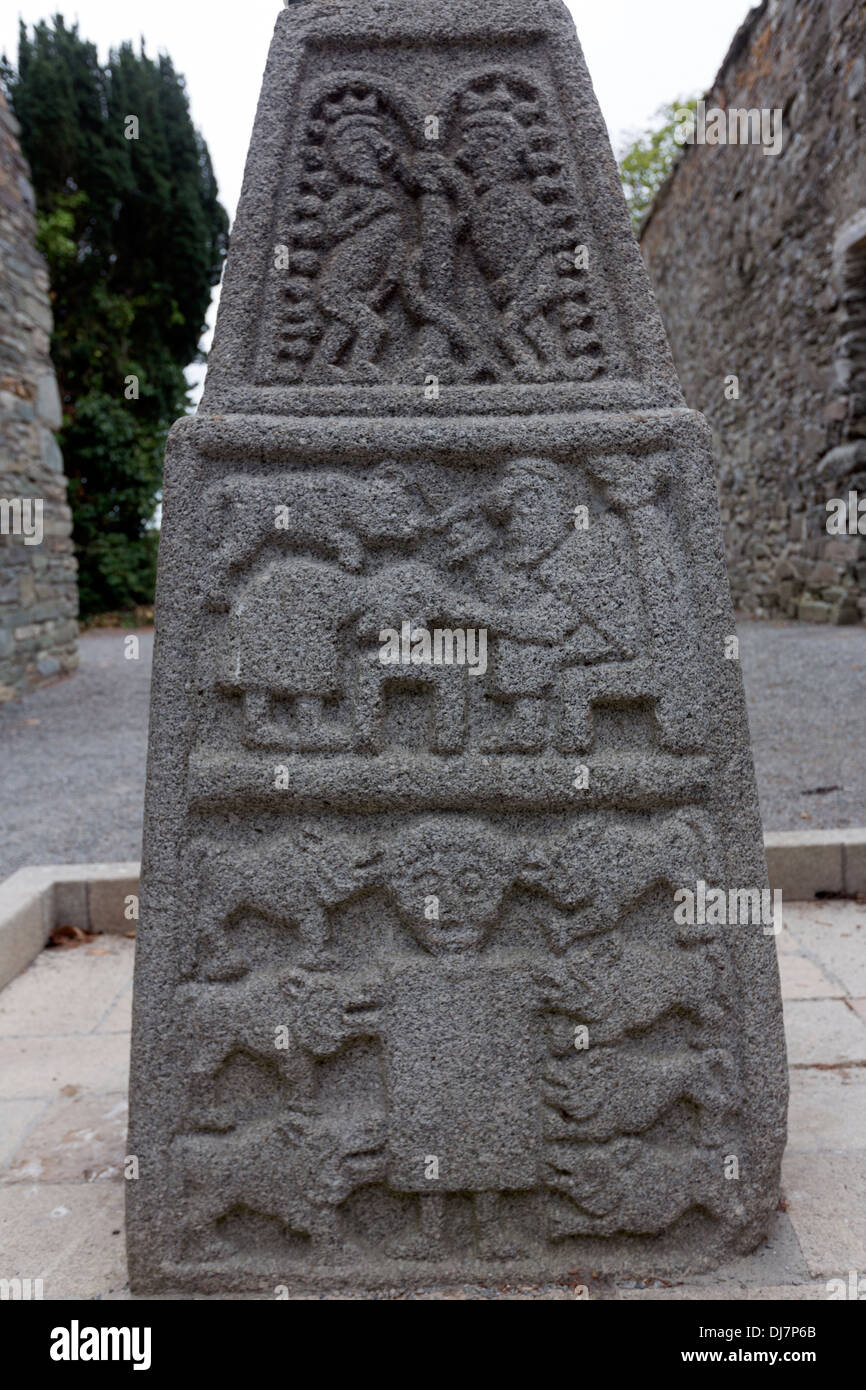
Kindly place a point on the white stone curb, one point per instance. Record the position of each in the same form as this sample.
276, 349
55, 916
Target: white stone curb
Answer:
804, 864
808, 864
36, 900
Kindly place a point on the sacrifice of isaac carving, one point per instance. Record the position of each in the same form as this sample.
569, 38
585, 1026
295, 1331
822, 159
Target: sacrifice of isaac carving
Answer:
306, 603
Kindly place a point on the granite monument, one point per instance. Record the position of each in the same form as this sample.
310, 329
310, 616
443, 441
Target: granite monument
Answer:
448, 724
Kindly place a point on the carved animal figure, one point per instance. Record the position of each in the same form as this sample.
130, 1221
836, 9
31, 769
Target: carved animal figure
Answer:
291, 881
299, 1169
607, 1091
329, 1009
675, 849
241, 1017
620, 986
335, 513
635, 1187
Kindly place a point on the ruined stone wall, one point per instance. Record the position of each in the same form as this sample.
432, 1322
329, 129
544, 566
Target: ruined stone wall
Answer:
38, 591
759, 265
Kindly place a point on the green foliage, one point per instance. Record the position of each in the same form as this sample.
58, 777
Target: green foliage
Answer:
646, 162
135, 238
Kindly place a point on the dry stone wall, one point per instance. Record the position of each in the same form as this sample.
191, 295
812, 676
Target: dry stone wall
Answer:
38, 590
759, 267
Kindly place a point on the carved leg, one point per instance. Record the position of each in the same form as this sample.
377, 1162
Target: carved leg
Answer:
449, 710
335, 339
350, 551
213, 1046
324, 1232
525, 731
257, 713
492, 1244
315, 930
680, 720
542, 338
369, 333
368, 704
312, 733
426, 1242
525, 363
217, 959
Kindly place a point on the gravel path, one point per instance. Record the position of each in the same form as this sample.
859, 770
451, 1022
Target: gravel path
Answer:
73, 755
806, 689
73, 758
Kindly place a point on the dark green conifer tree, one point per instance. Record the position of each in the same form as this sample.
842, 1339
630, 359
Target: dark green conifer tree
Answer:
135, 238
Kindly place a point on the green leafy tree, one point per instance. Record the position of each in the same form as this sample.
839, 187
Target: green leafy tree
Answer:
135, 238
648, 159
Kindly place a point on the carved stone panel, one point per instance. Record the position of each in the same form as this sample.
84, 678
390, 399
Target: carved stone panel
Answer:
446, 729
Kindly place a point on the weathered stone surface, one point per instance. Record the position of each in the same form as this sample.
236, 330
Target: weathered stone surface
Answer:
31, 465
759, 265
381, 903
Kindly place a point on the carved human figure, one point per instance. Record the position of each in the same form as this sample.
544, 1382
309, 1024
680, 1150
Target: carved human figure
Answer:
563, 596
513, 237
364, 225
448, 879
484, 1008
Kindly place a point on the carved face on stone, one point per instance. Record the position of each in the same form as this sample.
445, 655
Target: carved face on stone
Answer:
360, 150
493, 150
530, 502
394, 507
449, 880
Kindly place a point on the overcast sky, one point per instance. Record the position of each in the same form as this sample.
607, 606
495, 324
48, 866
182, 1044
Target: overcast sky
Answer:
641, 54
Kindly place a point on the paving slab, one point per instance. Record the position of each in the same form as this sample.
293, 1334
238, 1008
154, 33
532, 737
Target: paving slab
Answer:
787, 942
81, 1138
119, 1016
826, 1196
93, 976
70, 1235
803, 979
49, 1067
16, 1118
827, 1110
835, 937
823, 1032
778, 1261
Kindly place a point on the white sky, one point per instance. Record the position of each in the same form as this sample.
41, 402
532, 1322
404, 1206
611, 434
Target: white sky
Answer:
641, 54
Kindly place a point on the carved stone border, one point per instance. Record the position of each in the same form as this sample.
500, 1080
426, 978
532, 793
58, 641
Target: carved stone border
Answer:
802, 864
